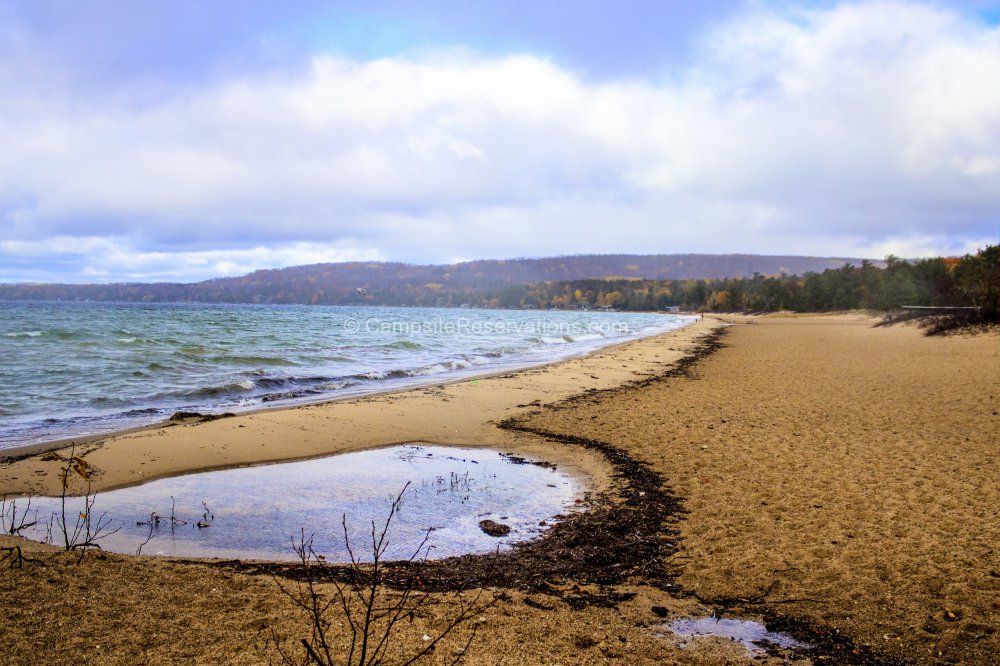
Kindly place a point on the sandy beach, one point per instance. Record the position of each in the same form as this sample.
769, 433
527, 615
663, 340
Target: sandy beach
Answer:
833, 478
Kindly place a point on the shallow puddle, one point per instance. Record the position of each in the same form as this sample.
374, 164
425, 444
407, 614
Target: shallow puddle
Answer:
754, 636
255, 512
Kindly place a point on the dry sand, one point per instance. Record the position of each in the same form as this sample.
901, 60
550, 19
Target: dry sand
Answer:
822, 459
834, 475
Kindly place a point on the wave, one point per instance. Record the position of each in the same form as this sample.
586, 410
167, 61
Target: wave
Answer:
334, 385
404, 344
277, 381
241, 386
335, 358
23, 334
449, 365
148, 411
434, 369
586, 337
108, 400
316, 387
254, 360
60, 334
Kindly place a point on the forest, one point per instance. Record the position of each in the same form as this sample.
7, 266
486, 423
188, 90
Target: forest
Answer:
972, 281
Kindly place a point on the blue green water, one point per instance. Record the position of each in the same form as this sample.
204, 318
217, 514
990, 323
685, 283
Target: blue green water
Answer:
69, 369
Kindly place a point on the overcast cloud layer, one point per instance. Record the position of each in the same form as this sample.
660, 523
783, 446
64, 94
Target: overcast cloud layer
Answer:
857, 129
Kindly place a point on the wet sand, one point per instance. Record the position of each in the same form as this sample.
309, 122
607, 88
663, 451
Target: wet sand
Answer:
837, 477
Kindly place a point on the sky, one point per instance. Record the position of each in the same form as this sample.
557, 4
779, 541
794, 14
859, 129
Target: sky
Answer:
186, 140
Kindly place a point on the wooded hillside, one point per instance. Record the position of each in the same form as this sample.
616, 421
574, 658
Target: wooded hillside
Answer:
409, 284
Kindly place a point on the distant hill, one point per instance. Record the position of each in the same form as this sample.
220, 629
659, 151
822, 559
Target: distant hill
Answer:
378, 283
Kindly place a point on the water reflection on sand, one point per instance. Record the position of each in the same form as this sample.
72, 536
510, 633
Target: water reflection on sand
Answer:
255, 512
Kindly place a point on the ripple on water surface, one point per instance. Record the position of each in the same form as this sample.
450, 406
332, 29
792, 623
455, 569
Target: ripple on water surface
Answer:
255, 512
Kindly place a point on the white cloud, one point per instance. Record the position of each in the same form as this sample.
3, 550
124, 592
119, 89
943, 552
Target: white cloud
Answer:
927, 246
870, 127
114, 260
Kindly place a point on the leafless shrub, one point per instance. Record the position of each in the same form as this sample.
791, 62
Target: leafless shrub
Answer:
82, 531
372, 611
153, 526
12, 522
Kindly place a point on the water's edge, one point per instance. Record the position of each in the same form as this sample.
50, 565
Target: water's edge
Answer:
20, 451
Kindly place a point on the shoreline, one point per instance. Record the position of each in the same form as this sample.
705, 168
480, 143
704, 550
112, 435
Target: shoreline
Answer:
18, 451
171, 448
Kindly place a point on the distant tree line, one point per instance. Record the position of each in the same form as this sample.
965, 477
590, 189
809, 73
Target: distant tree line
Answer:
969, 281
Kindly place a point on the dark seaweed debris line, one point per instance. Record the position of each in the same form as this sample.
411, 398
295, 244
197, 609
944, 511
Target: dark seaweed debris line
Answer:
628, 531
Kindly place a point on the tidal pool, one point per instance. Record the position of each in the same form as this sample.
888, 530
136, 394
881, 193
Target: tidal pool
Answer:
754, 636
257, 512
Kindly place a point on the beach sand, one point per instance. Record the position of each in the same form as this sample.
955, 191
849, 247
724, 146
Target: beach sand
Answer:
834, 477
855, 468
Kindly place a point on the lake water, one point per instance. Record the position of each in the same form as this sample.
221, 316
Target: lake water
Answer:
257, 512
69, 369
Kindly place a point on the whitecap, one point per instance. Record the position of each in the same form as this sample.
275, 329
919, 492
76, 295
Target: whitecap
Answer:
332, 386
435, 369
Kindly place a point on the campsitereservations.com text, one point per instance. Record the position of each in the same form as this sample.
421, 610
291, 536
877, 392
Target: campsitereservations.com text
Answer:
465, 326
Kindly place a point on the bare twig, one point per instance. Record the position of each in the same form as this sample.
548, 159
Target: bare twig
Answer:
16, 556
12, 522
153, 526
82, 532
372, 613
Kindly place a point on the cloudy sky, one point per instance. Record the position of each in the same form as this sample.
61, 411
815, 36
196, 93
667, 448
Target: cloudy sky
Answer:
184, 140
